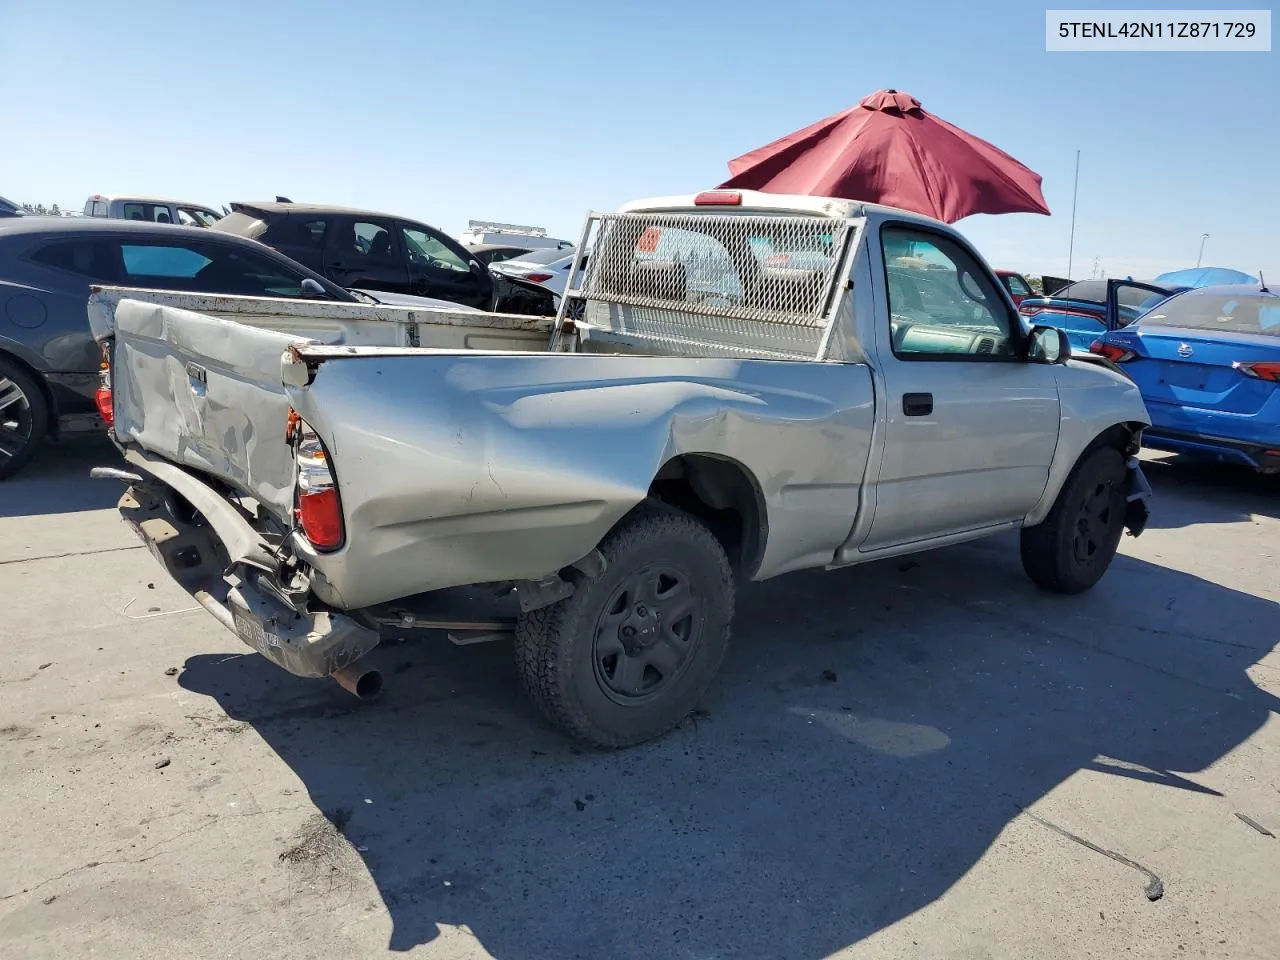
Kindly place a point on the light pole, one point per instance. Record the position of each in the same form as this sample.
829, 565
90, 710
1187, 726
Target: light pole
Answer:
1203, 238
1075, 193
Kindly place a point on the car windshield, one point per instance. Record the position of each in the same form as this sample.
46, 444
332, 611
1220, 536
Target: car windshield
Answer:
196, 217
1232, 313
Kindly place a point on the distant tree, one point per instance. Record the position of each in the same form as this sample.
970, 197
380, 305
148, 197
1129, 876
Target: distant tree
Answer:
54, 211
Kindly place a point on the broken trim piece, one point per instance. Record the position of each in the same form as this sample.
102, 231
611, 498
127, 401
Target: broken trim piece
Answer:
1155, 886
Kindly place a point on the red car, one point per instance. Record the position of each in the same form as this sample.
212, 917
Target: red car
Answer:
1016, 284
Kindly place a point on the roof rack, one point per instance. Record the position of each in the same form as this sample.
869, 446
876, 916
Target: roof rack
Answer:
490, 226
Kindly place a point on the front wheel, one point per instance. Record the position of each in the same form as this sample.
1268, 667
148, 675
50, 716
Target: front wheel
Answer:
1071, 550
627, 656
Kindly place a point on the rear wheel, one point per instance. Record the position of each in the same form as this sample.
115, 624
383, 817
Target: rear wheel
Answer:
1071, 550
24, 417
626, 657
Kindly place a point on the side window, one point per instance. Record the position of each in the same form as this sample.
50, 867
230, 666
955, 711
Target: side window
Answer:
249, 274
941, 302
703, 260
152, 212
1017, 287
373, 241
157, 260
209, 268
429, 252
91, 259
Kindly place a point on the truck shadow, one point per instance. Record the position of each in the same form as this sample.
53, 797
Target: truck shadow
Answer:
57, 480
874, 731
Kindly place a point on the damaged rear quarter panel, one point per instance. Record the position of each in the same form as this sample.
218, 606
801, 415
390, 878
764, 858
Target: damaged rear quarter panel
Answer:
458, 469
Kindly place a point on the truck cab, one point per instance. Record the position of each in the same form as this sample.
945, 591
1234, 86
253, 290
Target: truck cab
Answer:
150, 209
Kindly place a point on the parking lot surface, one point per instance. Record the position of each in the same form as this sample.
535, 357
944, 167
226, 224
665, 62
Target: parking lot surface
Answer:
921, 758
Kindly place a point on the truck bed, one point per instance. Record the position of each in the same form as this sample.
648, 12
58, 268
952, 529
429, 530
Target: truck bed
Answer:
217, 360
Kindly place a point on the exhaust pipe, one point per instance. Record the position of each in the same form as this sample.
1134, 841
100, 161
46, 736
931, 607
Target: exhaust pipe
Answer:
359, 681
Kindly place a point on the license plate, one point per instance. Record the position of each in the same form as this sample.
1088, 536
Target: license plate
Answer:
253, 631
1187, 376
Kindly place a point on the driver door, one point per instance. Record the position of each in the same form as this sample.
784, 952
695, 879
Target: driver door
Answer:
1129, 299
437, 269
971, 426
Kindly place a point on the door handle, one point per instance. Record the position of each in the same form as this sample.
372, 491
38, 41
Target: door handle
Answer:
917, 404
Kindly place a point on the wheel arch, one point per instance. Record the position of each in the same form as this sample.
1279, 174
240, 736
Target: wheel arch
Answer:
46, 391
725, 495
1123, 435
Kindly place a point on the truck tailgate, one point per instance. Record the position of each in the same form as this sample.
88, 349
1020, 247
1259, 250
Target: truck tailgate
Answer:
206, 393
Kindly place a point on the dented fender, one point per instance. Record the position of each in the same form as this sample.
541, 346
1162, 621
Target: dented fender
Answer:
456, 469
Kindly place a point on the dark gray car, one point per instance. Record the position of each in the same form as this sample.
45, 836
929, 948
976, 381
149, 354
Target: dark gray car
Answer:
48, 358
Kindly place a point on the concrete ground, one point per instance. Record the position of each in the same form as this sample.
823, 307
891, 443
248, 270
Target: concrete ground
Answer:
924, 758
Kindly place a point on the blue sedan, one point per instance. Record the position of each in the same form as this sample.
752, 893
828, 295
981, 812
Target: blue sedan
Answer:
1208, 364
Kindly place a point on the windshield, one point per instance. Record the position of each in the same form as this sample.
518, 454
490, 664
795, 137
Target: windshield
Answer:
1233, 313
196, 217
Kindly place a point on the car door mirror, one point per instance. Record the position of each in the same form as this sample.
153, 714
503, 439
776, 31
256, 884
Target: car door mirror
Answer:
476, 269
313, 288
1048, 345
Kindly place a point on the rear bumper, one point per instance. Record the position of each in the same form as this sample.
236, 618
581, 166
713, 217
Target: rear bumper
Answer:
231, 570
1225, 450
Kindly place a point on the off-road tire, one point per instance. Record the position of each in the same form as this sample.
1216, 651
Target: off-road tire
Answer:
34, 419
556, 646
1055, 553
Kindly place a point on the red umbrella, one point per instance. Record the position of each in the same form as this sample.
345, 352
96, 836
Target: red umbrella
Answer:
889, 150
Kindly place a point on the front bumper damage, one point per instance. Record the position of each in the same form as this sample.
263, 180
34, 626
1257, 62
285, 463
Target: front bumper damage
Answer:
229, 568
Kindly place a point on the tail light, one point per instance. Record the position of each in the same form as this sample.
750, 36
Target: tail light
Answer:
1263, 370
537, 277
1111, 351
102, 396
319, 510
1029, 310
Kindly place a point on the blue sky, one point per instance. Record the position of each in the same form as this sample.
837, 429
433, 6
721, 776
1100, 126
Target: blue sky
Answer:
533, 113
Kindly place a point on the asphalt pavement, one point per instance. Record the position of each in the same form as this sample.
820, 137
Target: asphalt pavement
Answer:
922, 758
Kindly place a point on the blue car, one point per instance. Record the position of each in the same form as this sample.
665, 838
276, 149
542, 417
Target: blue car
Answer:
1208, 364
1080, 308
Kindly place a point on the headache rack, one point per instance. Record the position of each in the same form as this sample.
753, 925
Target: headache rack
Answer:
698, 283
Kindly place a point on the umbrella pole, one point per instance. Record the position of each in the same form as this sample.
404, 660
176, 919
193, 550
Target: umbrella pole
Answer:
1075, 192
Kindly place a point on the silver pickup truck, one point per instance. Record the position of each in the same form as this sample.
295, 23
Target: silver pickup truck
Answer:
738, 385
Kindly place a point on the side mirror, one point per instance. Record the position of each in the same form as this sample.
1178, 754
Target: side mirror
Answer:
313, 288
1048, 345
476, 268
